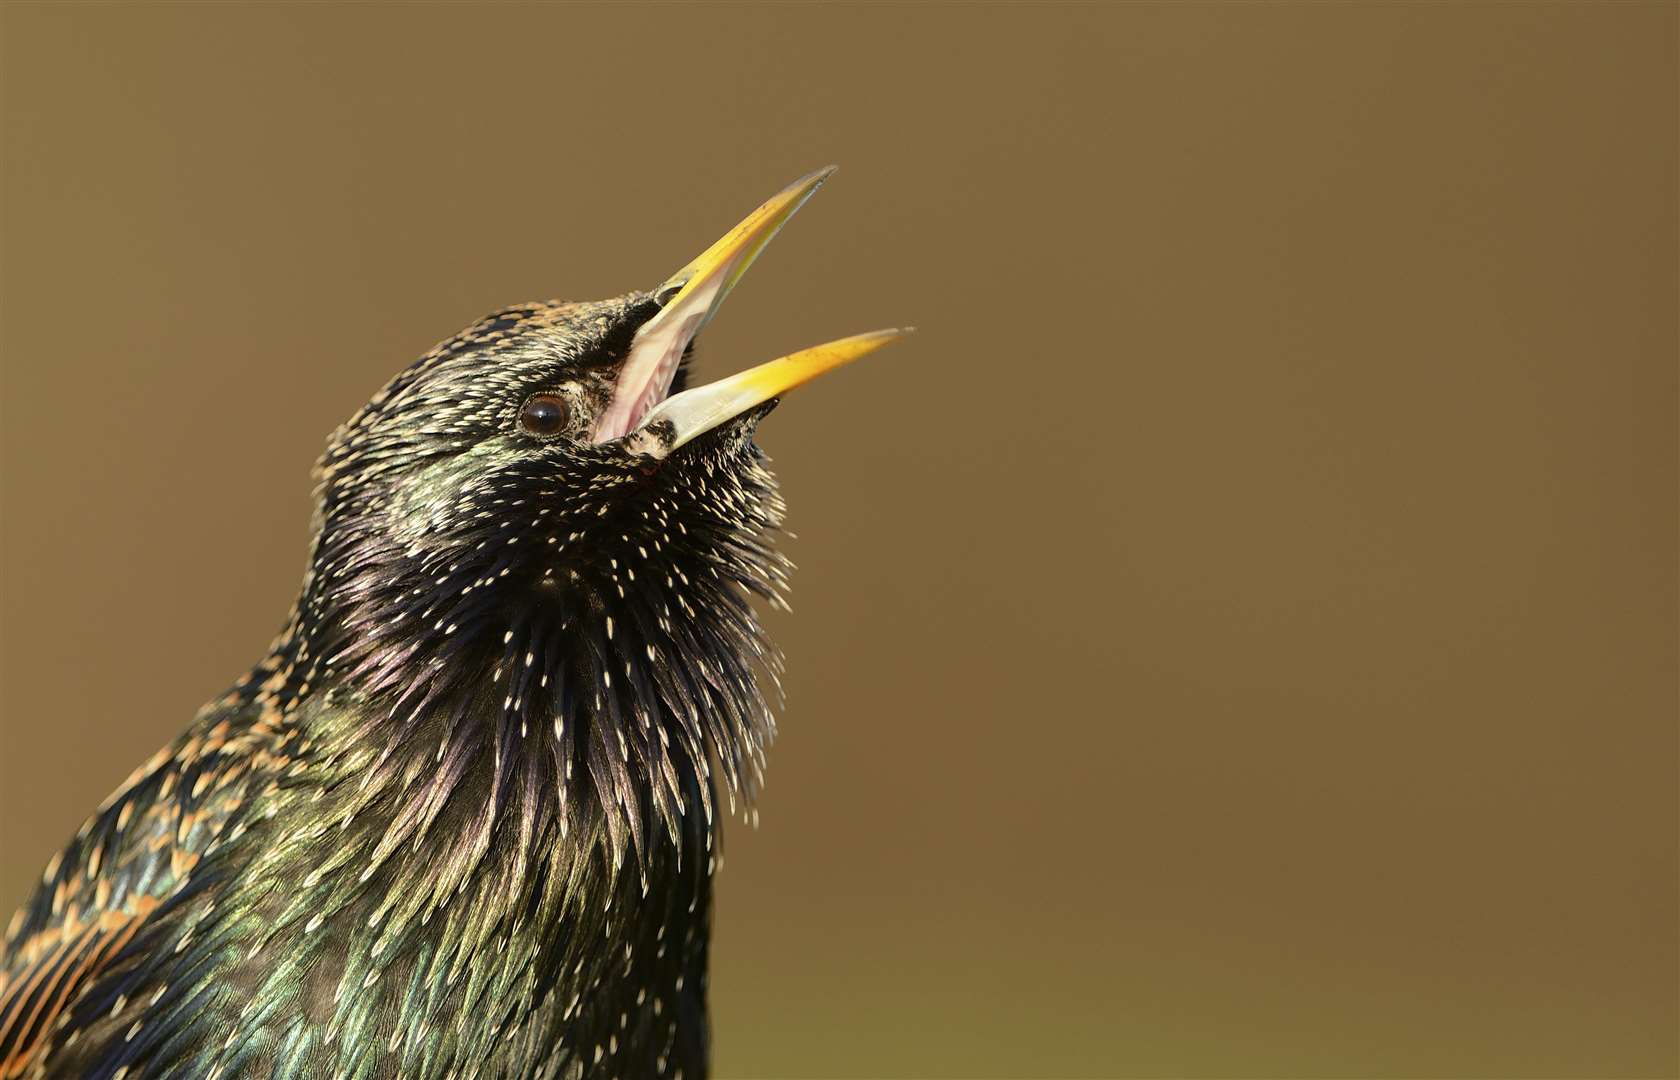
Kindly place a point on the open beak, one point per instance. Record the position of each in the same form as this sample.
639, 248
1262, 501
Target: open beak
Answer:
689, 299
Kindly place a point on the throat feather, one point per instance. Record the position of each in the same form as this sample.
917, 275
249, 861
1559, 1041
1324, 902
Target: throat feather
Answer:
603, 687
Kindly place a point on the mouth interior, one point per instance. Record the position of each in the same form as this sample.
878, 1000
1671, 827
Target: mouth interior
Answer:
655, 353
645, 379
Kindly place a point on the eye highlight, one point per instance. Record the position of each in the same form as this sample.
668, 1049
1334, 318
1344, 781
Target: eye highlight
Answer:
544, 415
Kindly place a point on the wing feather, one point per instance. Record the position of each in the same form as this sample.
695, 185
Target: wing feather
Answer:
63, 960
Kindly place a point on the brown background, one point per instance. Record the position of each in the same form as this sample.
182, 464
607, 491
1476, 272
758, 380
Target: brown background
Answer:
1237, 637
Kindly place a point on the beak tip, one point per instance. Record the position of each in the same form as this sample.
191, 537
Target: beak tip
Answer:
808, 184
890, 335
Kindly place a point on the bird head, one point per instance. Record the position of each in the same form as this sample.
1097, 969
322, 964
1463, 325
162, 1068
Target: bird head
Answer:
539, 503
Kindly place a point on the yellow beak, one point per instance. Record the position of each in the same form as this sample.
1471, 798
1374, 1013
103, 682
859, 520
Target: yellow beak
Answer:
694, 294
702, 284
697, 411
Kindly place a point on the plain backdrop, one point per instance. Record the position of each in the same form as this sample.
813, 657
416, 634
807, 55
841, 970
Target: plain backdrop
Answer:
1236, 637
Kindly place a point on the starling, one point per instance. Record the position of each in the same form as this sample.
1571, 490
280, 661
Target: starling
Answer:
461, 820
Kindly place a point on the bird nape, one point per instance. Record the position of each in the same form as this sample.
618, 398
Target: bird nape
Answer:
460, 821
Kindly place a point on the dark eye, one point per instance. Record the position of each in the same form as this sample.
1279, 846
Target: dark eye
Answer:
543, 415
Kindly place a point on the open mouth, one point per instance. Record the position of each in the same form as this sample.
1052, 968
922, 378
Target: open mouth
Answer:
645, 379
640, 405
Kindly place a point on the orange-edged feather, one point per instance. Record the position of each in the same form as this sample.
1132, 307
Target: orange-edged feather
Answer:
62, 961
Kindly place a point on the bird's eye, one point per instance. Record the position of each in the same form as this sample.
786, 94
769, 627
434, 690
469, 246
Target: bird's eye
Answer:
543, 415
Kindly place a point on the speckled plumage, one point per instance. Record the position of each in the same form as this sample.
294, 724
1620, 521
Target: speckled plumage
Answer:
460, 821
